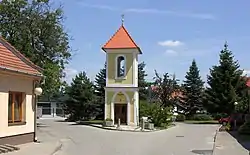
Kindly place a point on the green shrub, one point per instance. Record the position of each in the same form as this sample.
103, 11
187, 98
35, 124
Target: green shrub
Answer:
218, 116
180, 118
159, 116
108, 119
144, 108
228, 127
201, 117
245, 128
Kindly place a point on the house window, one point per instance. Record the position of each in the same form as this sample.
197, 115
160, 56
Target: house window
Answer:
15, 107
121, 67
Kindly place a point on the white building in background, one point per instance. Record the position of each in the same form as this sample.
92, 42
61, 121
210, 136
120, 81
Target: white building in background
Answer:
48, 109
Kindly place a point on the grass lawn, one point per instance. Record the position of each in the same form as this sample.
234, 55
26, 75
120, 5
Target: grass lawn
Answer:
92, 122
201, 122
165, 127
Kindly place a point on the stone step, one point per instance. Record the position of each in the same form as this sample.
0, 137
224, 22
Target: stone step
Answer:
8, 148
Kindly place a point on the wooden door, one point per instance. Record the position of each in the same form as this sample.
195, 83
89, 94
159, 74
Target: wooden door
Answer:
121, 112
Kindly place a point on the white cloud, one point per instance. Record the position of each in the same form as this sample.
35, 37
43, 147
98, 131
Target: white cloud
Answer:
70, 73
175, 13
193, 48
246, 72
170, 43
102, 7
150, 11
171, 52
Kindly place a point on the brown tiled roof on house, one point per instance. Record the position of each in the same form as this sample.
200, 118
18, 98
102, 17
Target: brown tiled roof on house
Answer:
177, 93
12, 60
121, 40
248, 81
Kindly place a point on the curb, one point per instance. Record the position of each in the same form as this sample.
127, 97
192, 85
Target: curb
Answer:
119, 129
215, 137
130, 130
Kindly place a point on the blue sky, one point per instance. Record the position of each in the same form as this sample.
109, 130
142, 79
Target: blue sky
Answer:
170, 33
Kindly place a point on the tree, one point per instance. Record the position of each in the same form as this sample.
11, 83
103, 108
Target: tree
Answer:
100, 81
159, 116
225, 84
81, 102
35, 29
166, 88
193, 89
142, 84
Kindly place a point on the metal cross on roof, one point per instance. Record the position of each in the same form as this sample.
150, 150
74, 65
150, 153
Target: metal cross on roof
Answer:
122, 19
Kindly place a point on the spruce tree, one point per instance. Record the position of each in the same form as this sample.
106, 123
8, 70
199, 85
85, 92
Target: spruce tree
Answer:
100, 83
142, 84
225, 84
81, 102
193, 89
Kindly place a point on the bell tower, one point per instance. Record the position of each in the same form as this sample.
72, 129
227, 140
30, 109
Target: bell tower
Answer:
121, 91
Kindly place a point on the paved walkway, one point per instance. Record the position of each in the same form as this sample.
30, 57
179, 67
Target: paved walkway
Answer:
45, 148
226, 145
68, 139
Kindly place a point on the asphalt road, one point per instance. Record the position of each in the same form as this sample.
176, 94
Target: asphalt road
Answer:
184, 139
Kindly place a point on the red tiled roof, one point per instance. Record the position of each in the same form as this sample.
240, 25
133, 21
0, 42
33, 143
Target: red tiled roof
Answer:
12, 60
121, 40
177, 93
248, 82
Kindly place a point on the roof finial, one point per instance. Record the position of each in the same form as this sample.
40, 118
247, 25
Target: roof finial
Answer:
122, 19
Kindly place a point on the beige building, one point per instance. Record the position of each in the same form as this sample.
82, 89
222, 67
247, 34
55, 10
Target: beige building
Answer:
121, 92
18, 77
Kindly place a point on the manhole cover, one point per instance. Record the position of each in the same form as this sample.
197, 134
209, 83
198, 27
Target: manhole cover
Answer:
179, 136
203, 152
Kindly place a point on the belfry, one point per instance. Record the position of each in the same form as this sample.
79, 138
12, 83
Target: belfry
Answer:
121, 91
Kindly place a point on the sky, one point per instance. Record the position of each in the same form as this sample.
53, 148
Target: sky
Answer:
170, 33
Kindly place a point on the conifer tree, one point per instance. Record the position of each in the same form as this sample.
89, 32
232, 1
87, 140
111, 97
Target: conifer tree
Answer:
81, 102
100, 83
225, 84
193, 89
142, 84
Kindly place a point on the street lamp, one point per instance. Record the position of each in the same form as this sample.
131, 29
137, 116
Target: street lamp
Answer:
235, 103
235, 123
149, 91
37, 91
